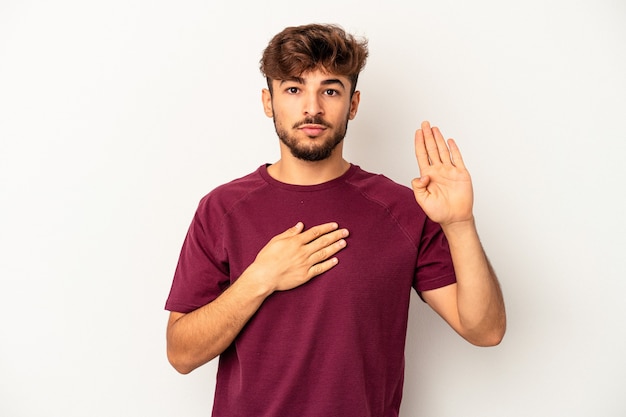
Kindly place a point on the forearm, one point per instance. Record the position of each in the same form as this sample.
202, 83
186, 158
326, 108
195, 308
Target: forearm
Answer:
481, 312
196, 338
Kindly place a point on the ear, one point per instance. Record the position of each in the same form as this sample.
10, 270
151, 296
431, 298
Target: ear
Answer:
266, 98
354, 104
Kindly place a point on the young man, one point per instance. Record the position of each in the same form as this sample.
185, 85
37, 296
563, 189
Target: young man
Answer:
298, 275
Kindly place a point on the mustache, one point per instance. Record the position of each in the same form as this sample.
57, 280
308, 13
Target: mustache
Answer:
315, 120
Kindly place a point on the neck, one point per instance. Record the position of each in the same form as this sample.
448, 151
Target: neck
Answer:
295, 171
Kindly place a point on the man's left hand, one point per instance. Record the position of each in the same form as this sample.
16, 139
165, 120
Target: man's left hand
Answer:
444, 189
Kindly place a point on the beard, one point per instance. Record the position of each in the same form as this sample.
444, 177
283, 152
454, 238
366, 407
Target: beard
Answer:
313, 151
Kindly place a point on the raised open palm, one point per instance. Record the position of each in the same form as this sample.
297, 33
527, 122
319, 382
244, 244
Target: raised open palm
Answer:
444, 188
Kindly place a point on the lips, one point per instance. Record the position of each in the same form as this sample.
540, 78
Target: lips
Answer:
312, 130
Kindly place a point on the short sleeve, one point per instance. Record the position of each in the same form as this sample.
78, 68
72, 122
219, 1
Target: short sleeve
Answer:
202, 270
434, 267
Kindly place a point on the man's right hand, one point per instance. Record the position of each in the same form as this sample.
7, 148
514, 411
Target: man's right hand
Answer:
296, 256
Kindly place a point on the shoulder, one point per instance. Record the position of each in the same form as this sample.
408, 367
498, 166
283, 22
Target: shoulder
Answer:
224, 197
380, 188
397, 200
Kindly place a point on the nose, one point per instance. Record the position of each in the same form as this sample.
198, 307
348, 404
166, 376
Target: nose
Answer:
312, 105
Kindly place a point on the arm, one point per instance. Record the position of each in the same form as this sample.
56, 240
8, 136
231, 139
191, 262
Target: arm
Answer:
288, 260
474, 306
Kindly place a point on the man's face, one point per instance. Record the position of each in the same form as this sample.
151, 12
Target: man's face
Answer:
311, 112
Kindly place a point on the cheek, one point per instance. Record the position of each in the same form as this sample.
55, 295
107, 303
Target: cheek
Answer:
282, 116
277, 118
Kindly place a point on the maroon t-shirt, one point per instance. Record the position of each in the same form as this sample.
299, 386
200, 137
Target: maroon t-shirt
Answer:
335, 345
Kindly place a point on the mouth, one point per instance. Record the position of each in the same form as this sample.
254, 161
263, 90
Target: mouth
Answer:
312, 130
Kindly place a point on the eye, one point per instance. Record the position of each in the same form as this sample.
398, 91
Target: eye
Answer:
331, 92
292, 90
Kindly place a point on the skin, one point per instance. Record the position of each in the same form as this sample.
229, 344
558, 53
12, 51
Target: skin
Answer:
310, 113
474, 306
314, 94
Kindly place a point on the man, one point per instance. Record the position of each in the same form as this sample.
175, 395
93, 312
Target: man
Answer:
298, 275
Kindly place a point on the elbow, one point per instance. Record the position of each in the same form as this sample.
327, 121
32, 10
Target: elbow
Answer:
490, 337
488, 340
184, 362
179, 364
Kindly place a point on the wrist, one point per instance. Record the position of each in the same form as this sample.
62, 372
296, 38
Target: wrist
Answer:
254, 279
459, 228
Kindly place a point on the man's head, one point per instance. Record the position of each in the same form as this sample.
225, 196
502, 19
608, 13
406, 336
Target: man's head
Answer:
311, 74
301, 49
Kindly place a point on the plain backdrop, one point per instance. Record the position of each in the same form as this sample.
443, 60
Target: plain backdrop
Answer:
116, 117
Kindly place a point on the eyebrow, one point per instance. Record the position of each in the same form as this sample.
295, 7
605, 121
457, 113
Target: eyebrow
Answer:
333, 81
300, 80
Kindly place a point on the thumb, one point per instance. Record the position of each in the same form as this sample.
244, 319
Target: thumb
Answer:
294, 230
420, 184
420, 188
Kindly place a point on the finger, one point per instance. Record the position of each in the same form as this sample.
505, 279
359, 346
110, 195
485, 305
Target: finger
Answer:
298, 228
292, 231
328, 244
420, 189
420, 150
442, 147
420, 184
457, 158
322, 267
431, 144
317, 231
327, 251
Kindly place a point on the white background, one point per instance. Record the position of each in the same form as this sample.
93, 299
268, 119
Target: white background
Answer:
117, 116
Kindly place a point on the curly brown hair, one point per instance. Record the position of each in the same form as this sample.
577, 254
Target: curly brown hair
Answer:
299, 49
